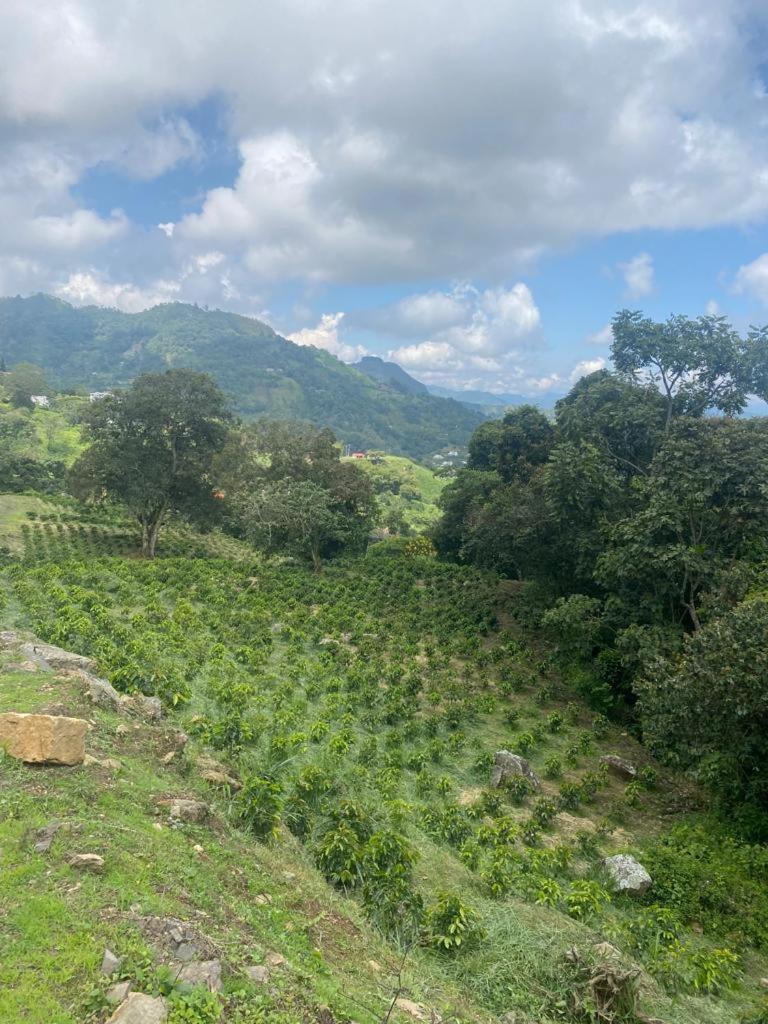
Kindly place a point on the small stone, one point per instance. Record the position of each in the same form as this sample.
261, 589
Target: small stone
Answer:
148, 708
87, 862
191, 811
43, 739
414, 1010
118, 993
45, 836
167, 758
141, 1009
764, 982
627, 874
221, 780
201, 972
263, 899
275, 959
258, 973
110, 964
186, 951
617, 765
507, 765
122, 730
198, 848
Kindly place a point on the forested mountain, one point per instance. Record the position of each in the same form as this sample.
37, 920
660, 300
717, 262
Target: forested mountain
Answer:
392, 375
262, 373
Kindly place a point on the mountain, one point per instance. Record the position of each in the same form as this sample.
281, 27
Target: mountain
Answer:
484, 399
391, 374
262, 373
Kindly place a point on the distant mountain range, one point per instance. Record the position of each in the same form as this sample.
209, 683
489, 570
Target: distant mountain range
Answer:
484, 399
376, 405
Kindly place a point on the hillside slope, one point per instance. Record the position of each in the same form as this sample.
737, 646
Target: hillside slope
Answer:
360, 710
262, 373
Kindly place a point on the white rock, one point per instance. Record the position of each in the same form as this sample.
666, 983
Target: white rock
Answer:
627, 874
140, 1009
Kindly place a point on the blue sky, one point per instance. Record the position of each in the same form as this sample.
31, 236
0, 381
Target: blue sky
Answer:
472, 190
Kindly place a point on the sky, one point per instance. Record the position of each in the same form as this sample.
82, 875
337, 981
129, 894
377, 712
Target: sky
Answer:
472, 188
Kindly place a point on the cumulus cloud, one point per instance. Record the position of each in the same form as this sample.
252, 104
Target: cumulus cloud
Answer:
585, 367
638, 275
752, 278
325, 335
389, 141
90, 288
478, 335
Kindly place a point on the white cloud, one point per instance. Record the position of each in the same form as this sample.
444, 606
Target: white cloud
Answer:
585, 367
752, 278
326, 336
91, 289
638, 275
372, 153
482, 335
602, 337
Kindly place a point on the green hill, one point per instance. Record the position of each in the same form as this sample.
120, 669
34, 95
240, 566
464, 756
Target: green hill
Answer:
262, 373
404, 488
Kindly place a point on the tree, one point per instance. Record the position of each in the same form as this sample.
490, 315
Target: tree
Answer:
23, 381
697, 364
329, 505
623, 419
708, 707
704, 505
513, 446
294, 514
152, 447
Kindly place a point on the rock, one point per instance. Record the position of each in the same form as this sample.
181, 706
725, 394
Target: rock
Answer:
764, 982
507, 766
201, 972
221, 780
44, 836
141, 1009
170, 756
191, 811
56, 657
9, 638
275, 959
619, 766
43, 739
118, 993
258, 973
101, 693
414, 1010
148, 708
627, 874
186, 951
122, 730
111, 964
87, 862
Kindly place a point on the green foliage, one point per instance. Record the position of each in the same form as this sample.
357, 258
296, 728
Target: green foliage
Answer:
265, 374
450, 923
258, 805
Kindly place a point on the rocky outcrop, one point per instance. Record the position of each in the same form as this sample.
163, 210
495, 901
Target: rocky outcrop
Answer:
194, 812
200, 972
507, 765
618, 766
43, 739
56, 657
627, 874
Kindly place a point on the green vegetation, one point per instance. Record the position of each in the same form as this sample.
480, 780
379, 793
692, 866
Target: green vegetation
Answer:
261, 373
407, 493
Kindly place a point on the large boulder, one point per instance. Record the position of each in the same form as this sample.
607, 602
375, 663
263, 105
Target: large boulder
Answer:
507, 765
194, 812
43, 739
56, 657
627, 874
140, 1009
101, 693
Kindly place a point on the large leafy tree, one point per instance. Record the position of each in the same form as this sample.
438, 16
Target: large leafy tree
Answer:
707, 708
291, 490
22, 382
513, 446
152, 448
697, 364
704, 505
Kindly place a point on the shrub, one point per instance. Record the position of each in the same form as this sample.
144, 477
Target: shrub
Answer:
553, 767
449, 923
258, 805
585, 898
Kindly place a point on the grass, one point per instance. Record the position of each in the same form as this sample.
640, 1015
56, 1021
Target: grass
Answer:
405, 487
391, 676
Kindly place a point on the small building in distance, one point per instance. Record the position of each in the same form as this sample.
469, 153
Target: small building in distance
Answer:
41, 401
96, 396
358, 455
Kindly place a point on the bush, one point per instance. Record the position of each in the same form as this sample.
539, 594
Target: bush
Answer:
258, 806
450, 923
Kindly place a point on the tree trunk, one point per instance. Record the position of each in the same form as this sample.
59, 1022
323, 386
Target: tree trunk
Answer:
317, 563
149, 531
153, 532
